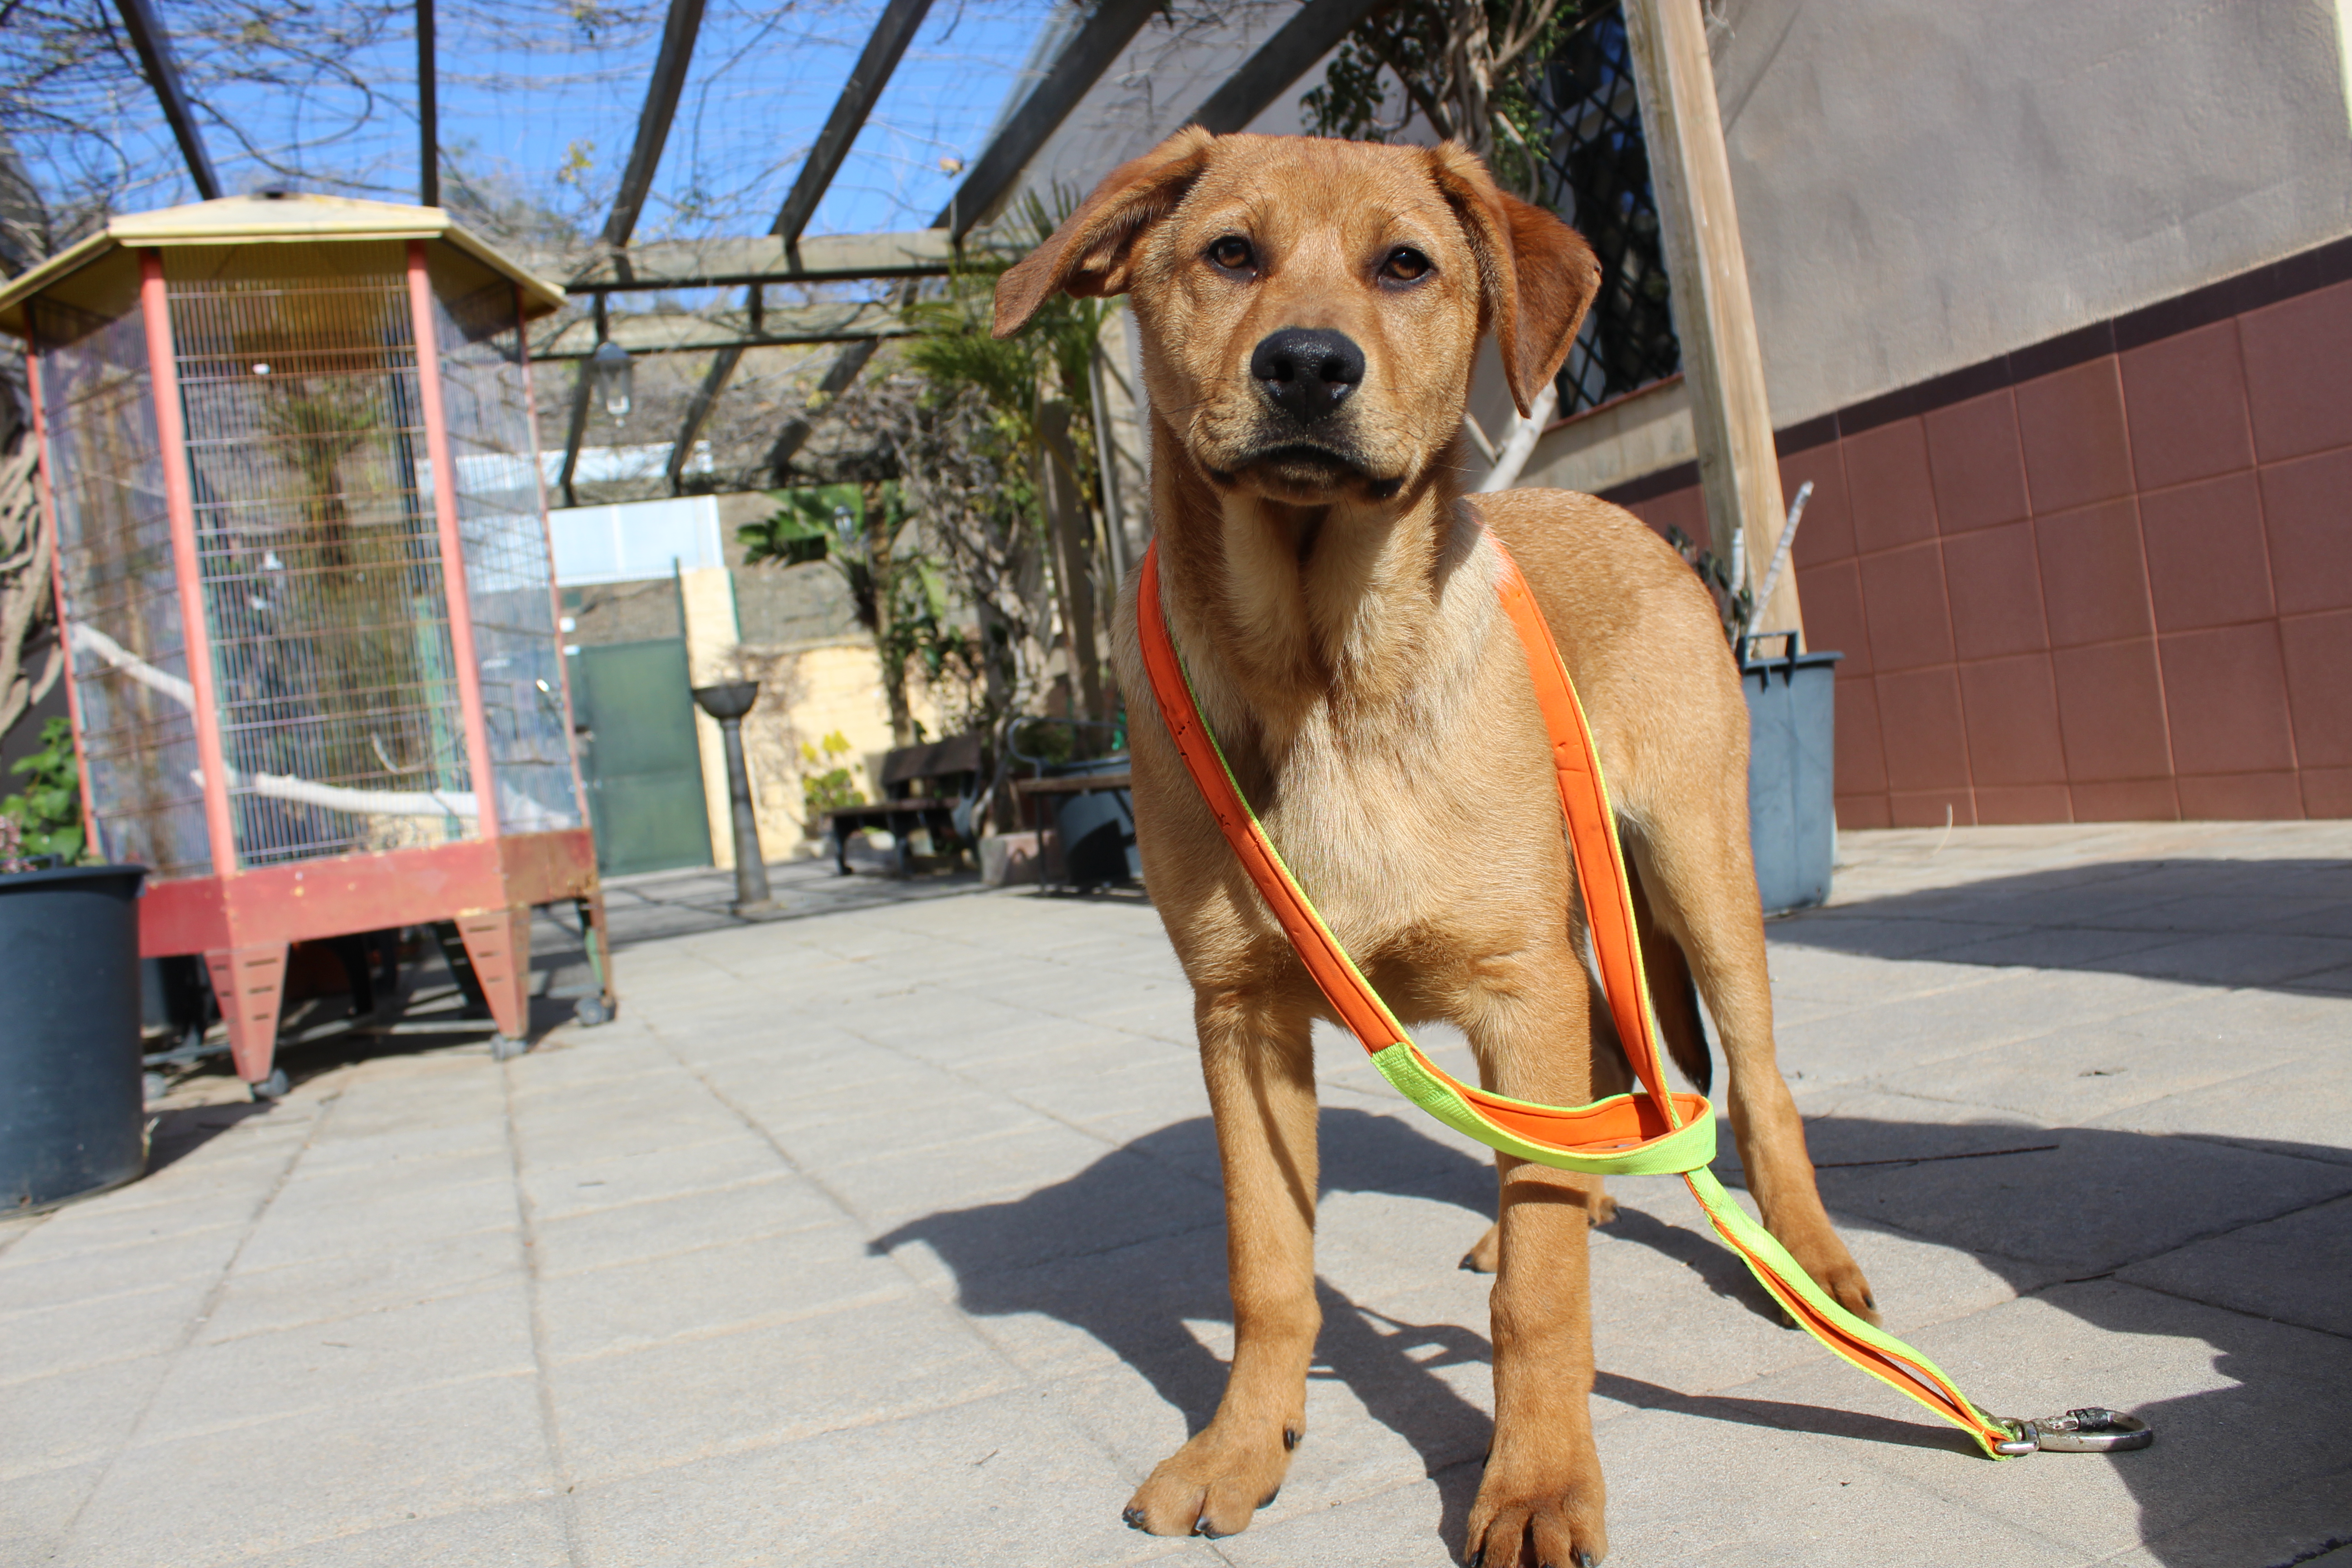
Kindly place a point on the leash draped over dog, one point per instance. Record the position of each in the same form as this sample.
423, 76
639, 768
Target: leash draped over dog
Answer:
1654, 1132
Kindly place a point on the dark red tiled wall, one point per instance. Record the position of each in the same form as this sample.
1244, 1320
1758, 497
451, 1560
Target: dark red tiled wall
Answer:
2118, 590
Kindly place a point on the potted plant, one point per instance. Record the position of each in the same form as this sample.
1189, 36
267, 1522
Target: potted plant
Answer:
71, 1105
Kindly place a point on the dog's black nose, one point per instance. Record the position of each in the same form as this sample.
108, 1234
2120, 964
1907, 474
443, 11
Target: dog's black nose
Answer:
1306, 371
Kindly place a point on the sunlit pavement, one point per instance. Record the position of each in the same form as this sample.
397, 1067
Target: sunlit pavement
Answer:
888, 1231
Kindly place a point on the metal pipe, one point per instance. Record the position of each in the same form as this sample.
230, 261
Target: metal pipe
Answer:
428, 117
155, 47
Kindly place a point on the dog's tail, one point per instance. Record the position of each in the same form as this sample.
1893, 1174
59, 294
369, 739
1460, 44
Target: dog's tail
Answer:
1672, 992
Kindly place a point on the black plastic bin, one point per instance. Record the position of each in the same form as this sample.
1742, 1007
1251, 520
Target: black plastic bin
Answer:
1791, 772
72, 1095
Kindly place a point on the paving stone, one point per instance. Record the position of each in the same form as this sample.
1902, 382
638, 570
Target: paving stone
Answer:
39, 1509
73, 1417
518, 1535
280, 1486
711, 1290
2296, 1268
370, 1280
995, 1480
31, 1276
600, 1182
697, 1398
338, 1365
2217, 1386
773, 1203
2100, 1200
44, 1342
2297, 1109
2309, 1521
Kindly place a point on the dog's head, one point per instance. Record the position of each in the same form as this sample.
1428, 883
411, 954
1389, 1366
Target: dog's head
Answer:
1312, 308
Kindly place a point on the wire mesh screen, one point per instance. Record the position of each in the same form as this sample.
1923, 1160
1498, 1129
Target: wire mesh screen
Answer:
322, 566
509, 571
129, 665
1599, 168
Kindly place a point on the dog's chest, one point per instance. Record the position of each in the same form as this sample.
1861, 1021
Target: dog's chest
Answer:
1419, 843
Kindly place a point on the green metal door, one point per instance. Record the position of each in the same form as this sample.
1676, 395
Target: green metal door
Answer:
638, 754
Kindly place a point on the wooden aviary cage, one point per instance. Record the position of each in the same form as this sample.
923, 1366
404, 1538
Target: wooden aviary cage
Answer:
305, 588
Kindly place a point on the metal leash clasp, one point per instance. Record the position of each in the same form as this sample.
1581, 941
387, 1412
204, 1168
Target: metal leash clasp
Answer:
2091, 1430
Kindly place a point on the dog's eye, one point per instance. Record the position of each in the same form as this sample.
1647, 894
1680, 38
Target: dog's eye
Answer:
1232, 253
1404, 265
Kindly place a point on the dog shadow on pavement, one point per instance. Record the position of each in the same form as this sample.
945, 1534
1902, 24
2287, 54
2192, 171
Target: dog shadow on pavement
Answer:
1131, 1250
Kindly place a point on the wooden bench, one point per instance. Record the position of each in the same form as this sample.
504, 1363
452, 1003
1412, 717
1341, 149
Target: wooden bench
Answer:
927, 786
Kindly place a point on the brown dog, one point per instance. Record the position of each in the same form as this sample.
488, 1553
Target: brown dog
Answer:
1309, 311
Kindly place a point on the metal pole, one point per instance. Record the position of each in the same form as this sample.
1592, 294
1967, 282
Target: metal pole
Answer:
750, 867
428, 118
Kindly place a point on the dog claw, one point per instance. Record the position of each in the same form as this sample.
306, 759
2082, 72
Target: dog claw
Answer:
1203, 1528
1584, 1559
1134, 1517
1289, 1438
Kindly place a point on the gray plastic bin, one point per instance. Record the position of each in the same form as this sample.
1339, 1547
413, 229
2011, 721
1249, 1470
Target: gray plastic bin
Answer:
71, 1095
1791, 772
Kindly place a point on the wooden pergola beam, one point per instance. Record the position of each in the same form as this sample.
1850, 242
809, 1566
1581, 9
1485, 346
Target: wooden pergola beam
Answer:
702, 332
1281, 60
866, 79
679, 29
154, 49
1690, 172
822, 259
1072, 75
1074, 72
678, 32
864, 89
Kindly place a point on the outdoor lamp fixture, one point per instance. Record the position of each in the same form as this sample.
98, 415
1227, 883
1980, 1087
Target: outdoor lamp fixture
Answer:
615, 377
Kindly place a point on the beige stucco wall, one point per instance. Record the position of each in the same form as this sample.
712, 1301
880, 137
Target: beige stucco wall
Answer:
808, 691
1924, 185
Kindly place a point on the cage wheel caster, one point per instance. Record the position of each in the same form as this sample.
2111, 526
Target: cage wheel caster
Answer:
274, 1087
591, 1011
505, 1047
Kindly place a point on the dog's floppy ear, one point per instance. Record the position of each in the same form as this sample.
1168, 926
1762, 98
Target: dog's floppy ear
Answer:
1088, 254
1535, 275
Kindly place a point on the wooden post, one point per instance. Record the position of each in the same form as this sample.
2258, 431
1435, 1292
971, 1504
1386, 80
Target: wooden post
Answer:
1690, 174
1057, 481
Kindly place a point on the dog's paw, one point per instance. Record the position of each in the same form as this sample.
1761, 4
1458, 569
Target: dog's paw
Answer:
1213, 1484
1487, 1255
1558, 1525
1824, 1257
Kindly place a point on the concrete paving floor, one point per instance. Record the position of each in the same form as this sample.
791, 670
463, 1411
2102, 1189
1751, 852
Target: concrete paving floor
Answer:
889, 1232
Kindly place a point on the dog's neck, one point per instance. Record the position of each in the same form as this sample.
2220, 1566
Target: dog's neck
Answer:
1291, 609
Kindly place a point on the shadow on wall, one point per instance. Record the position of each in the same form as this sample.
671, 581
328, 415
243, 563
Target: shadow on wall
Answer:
2283, 925
1133, 1246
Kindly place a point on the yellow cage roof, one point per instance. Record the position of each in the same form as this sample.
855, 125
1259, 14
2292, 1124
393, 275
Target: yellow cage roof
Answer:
266, 220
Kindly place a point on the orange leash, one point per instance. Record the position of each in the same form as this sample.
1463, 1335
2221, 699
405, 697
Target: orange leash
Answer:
1655, 1132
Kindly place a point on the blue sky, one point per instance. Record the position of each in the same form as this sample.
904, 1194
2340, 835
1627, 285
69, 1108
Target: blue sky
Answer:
542, 98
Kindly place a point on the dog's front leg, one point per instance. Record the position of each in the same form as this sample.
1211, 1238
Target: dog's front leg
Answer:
1529, 1020
1261, 1076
